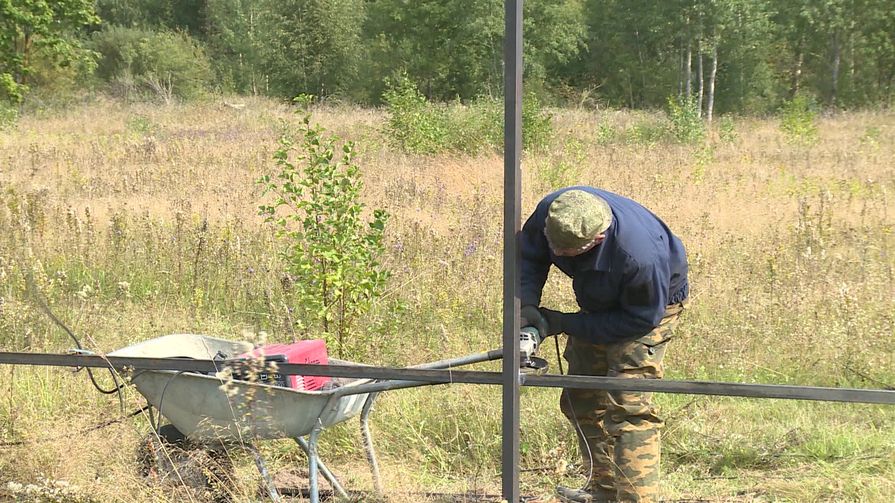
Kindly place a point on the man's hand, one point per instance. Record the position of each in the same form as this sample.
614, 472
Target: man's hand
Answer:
530, 316
554, 321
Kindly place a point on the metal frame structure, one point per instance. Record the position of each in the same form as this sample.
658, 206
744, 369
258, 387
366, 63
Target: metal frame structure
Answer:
510, 378
512, 190
433, 373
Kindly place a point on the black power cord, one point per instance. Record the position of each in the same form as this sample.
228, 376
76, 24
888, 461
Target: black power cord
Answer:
578, 431
38, 298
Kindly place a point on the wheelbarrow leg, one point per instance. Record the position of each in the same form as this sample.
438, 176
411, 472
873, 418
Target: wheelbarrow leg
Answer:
327, 474
368, 442
265, 475
312, 462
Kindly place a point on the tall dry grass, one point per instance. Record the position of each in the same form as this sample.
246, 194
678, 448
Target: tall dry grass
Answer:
138, 221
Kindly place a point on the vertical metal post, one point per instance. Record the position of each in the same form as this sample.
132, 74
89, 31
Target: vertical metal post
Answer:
512, 134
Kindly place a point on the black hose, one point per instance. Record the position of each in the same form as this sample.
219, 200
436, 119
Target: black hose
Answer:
161, 399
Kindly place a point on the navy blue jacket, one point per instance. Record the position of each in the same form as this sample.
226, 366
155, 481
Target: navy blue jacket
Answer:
622, 285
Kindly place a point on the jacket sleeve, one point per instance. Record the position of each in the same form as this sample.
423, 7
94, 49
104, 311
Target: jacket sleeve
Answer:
641, 306
535, 260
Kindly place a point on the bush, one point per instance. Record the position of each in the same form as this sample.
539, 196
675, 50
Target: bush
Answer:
474, 128
798, 120
564, 169
606, 133
685, 123
142, 62
8, 115
479, 125
421, 127
414, 124
537, 126
10, 90
727, 131
646, 132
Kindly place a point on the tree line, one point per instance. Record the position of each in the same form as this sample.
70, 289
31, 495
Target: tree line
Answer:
741, 56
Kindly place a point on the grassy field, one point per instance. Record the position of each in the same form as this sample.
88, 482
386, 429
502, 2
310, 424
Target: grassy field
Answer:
138, 221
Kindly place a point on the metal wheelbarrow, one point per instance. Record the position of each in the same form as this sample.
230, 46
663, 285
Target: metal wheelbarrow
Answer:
214, 410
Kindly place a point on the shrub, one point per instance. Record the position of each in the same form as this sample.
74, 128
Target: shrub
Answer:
10, 90
606, 133
798, 120
332, 254
727, 129
565, 168
474, 128
537, 128
414, 124
421, 127
9, 114
646, 132
142, 62
871, 137
685, 123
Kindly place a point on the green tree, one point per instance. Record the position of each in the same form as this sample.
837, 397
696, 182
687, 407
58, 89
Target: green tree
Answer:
234, 42
132, 13
190, 16
725, 55
842, 51
732, 41
855, 44
455, 49
332, 252
632, 54
873, 71
555, 34
312, 46
40, 30
711, 51
746, 81
448, 49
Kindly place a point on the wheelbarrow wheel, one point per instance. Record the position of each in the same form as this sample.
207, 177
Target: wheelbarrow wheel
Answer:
169, 458
170, 434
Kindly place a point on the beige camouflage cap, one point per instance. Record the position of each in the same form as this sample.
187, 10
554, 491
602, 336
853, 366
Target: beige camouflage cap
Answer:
575, 218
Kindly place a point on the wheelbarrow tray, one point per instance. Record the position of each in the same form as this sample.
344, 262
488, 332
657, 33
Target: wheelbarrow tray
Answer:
214, 409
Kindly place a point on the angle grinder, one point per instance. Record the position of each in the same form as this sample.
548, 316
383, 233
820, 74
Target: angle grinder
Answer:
529, 340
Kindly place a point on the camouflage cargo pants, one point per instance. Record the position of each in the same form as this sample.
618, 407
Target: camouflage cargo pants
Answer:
621, 428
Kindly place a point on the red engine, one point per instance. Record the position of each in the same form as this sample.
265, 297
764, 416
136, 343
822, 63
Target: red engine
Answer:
310, 352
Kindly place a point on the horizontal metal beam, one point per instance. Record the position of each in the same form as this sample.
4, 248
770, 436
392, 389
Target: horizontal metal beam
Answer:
886, 397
